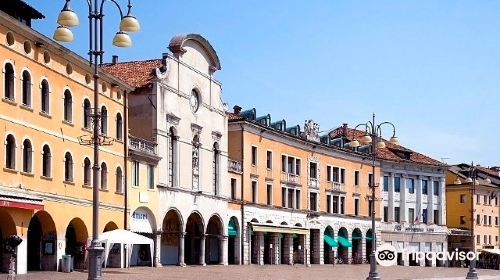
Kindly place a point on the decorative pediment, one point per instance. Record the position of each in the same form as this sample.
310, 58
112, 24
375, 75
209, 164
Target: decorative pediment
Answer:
196, 128
216, 136
173, 119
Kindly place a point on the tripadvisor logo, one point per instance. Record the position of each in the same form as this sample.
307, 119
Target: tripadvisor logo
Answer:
386, 255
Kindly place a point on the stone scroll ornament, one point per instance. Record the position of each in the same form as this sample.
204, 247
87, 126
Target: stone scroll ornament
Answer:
311, 130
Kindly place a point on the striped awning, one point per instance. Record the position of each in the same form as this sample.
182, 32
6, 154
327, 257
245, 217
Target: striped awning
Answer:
20, 201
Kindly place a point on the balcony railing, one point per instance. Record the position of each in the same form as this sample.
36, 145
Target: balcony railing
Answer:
234, 166
142, 145
290, 178
313, 183
336, 186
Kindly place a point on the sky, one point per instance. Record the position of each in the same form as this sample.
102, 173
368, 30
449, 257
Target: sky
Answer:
429, 67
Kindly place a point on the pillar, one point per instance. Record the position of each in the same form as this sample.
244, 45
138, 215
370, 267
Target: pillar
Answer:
430, 203
288, 249
223, 248
390, 196
402, 200
202, 250
22, 256
442, 201
157, 249
276, 248
60, 251
260, 244
181, 250
419, 203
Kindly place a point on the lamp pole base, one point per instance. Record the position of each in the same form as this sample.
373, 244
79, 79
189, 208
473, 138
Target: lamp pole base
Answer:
472, 273
373, 275
95, 260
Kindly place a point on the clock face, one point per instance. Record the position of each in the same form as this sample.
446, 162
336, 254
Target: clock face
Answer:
194, 101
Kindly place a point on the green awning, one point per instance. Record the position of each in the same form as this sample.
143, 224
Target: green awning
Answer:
231, 229
344, 241
369, 237
330, 241
356, 235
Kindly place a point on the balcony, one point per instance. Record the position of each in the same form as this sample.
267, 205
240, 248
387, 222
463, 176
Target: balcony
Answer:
336, 187
313, 183
234, 166
290, 178
143, 148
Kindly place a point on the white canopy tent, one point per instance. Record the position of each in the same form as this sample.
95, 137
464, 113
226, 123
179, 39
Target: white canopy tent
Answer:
125, 237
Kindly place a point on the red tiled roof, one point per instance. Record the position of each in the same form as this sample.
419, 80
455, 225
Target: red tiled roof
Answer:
135, 73
390, 151
489, 171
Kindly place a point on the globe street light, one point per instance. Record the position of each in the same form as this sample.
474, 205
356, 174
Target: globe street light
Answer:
373, 136
68, 18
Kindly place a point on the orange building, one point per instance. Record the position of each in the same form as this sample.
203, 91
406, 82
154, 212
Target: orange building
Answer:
304, 201
45, 179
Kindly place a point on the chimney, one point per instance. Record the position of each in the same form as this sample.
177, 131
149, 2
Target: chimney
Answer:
237, 110
114, 59
344, 129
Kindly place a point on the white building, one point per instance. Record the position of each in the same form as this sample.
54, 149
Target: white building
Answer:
177, 104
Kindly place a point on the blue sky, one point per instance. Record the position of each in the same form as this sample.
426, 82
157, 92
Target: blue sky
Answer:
430, 67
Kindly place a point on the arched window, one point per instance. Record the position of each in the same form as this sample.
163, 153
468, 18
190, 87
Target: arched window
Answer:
10, 152
104, 120
215, 168
68, 167
8, 81
68, 106
86, 114
119, 180
27, 156
119, 126
196, 161
172, 157
46, 161
45, 100
87, 173
104, 176
26, 89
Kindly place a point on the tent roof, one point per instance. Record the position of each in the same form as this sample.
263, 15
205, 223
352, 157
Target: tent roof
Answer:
124, 237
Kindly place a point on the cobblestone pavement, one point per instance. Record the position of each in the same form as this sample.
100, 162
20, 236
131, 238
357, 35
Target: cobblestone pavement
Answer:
254, 272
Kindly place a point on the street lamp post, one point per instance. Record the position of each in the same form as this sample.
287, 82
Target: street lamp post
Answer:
472, 178
373, 136
68, 18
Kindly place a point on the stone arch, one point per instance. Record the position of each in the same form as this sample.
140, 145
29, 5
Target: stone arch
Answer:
42, 239
194, 239
76, 242
178, 42
214, 236
343, 251
110, 226
7, 228
172, 237
329, 245
357, 246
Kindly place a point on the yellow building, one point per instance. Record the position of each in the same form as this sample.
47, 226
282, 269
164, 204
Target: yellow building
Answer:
304, 201
473, 208
46, 174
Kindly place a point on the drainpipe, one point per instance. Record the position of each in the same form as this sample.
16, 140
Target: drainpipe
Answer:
125, 159
242, 244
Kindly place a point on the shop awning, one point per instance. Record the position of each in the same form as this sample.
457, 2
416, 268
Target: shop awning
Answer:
344, 241
369, 237
491, 251
21, 202
356, 235
330, 241
231, 229
278, 229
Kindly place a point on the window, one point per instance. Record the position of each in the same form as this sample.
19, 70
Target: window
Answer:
297, 166
86, 172
485, 239
254, 155
151, 177
104, 120
478, 199
104, 176
462, 220
283, 163
478, 219
411, 215
8, 81
462, 198
269, 193
45, 92
233, 188
386, 214
496, 201
195, 161
46, 161
424, 216
436, 188
283, 197
489, 221
290, 198
27, 156
87, 122
135, 173
26, 89
68, 106
496, 221
356, 178
397, 184
485, 200
478, 239
342, 176
328, 203
342, 205
254, 191
335, 204
313, 170
119, 180
485, 220
370, 180
68, 167
328, 173
119, 127
410, 182
297, 199
216, 168
313, 202
424, 186
436, 217
386, 184
269, 160
356, 206
396, 214
336, 174
172, 158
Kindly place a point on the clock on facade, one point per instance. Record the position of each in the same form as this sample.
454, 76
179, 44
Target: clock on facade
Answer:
194, 101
